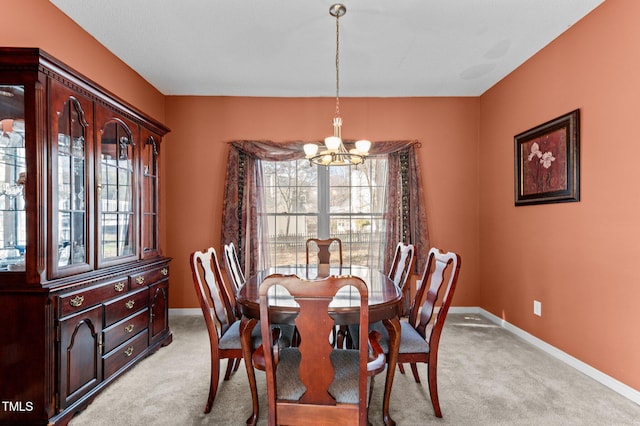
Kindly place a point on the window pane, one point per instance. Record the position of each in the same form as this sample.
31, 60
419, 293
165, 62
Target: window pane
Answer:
284, 199
339, 199
307, 200
340, 176
309, 174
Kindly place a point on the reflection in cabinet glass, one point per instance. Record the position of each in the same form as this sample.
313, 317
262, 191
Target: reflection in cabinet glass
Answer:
12, 177
116, 192
72, 224
150, 199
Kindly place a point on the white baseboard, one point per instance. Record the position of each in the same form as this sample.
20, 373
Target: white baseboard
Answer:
184, 311
613, 384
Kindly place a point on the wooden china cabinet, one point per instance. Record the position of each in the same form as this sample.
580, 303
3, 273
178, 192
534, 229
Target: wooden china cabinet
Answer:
83, 283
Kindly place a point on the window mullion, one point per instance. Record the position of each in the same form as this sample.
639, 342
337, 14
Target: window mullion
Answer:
323, 202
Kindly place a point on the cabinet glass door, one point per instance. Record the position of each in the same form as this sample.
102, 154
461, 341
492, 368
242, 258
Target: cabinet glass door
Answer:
13, 173
117, 208
150, 196
71, 176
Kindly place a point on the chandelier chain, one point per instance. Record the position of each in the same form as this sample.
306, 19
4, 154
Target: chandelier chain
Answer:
337, 65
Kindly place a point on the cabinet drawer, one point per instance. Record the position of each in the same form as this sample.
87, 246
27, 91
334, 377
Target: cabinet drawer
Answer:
124, 329
79, 300
123, 306
124, 353
149, 277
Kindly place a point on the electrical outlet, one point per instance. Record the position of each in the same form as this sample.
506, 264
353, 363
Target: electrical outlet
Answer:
537, 308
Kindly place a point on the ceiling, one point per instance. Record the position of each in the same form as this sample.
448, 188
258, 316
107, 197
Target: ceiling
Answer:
287, 47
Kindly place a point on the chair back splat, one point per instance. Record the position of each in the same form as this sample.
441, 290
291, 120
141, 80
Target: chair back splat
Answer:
324, 253
300, 381
400, 270
441, 271
211, 289
235, 275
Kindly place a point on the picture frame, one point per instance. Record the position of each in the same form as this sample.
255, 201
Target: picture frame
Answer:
547, 162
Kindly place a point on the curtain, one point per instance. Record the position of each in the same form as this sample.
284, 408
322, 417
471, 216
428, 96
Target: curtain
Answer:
242, 223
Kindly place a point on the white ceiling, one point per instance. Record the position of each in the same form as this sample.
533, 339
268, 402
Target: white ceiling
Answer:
287, 47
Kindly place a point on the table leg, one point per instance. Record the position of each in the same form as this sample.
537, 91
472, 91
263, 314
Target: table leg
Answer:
393, 328
246, 327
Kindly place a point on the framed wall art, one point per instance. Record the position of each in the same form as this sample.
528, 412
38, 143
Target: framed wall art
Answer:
547, 162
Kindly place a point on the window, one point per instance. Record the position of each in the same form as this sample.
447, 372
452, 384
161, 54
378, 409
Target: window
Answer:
274, 199
304, 201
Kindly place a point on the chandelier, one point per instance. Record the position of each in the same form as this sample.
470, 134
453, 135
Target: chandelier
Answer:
334, 152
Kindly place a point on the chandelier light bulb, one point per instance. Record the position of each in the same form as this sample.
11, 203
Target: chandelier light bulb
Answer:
310, 149
363, 146
332, 143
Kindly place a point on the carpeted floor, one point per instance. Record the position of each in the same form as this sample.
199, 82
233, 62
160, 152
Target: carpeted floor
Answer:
486, 376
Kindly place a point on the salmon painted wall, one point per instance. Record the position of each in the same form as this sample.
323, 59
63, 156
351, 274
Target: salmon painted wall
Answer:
202, 126
38, 23
578, 259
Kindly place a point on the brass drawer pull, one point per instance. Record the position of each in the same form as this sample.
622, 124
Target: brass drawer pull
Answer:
129, 328
119, 286
130, 304
140, 279
128, 351
164, 271
76, 301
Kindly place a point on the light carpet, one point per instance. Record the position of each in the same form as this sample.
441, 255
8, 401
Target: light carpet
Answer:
486, 376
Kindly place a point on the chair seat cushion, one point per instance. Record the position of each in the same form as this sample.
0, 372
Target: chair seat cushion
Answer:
411, 341
344, 387
231, 338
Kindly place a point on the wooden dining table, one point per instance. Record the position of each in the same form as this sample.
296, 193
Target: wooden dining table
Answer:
384, 305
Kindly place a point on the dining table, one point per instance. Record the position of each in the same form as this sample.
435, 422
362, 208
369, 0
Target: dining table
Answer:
385, 304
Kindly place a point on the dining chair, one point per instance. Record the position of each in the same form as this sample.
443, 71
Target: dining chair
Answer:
420, 334
235, 275
323, 252
222, 325
315, 383
400, 271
